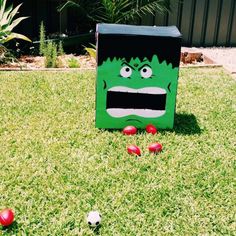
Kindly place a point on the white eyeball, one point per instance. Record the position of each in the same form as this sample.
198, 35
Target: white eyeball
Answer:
146, 72
125, 71
94, 218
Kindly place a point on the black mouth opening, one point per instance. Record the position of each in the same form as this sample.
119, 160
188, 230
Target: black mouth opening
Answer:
126, 100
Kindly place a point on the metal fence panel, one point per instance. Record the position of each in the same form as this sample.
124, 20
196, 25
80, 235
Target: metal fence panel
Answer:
202, 22
232, 37
199, 23
223, 23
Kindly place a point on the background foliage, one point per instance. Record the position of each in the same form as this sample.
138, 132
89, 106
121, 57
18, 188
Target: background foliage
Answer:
8, 22
117, 11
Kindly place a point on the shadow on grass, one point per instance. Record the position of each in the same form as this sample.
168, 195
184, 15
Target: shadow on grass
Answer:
96, 230
186, 124
11, 229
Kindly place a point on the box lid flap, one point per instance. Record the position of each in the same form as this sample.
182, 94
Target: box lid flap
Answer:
164, 31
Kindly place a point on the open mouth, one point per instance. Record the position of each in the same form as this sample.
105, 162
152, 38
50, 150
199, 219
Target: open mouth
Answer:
144, 102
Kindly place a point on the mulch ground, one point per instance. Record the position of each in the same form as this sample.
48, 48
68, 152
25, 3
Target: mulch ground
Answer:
36, 62
190, 57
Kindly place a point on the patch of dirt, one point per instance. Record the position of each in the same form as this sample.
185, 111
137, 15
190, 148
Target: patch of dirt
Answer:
190, 57
195, 57
37, 62
222, 55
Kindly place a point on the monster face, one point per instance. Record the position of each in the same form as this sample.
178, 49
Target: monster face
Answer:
131, 88
136, 92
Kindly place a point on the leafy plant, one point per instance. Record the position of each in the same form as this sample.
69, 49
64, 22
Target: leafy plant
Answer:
123, 11
60, 49
73, 63
8, 23
91, 50
50, 53
50, 50
42, 38
118, 11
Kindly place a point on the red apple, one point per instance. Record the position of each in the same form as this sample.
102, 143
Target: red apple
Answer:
6, 217
130, 130
151, 129
133, 149
155, 147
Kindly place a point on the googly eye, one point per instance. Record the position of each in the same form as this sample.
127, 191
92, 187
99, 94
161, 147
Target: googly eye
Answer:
146, 72
125, 71
89, 223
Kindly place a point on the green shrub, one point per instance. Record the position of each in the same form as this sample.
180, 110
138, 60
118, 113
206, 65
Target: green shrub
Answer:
73, 63
60, 49
50, 50
50, 53
119, 12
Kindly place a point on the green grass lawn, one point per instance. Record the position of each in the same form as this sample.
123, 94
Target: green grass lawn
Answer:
55, 166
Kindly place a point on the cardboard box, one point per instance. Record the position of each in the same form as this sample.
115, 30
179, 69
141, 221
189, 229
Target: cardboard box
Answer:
137, 75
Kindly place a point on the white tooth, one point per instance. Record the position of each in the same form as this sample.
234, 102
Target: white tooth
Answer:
122, 89
119, 112
152, 90
147, 90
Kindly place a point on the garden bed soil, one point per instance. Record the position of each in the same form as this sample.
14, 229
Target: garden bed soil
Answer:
194, 57
222, 55
190, 57
37, 63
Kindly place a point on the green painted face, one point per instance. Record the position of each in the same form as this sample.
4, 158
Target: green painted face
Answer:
135, 93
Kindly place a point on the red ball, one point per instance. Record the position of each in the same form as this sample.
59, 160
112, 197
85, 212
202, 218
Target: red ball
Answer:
130, 130
155, 147
133, 149
6, 217
151, 129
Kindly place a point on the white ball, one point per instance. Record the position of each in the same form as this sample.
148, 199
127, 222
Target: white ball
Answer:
94, 218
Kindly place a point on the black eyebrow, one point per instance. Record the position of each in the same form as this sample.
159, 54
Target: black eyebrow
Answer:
143, 66
125, 63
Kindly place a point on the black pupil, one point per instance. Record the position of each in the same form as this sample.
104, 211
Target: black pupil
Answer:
127, 69
97, 223
89, 223
144, 70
